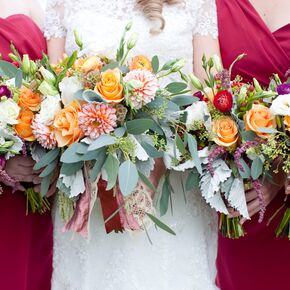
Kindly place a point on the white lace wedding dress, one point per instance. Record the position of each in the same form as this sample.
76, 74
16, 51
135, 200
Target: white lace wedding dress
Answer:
128, 261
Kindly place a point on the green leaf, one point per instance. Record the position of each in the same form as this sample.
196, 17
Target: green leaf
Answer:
70, 155
156, 103
151, 150
47, 158
71, 169
256, 168
147, 181
246, 173
120, 132
82, 148
112, 167
184, 100
138, 126
98, 165
72, 59
176, 87
92, 96
155, 63
103, 140
192, 144
179, 144
128, 177
160, 224
45, 183
192, 180
111, 65
18, 79
267, 130
7, 69
248, 135
49, 168
91, 155
164, 200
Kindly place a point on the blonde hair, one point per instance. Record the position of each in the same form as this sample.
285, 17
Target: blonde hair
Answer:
152, 9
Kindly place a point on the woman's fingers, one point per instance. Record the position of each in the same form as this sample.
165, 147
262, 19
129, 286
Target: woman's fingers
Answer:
24, 178
233, 213
253, 207
251, 195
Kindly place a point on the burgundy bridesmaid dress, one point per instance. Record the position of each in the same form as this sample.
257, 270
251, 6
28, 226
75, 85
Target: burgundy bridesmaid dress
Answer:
25, 241
258, 261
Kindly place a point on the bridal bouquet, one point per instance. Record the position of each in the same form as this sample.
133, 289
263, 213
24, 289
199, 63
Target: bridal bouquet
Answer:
105, 120
20, 102
219, 141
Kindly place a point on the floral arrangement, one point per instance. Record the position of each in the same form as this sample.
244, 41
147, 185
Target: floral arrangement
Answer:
220, 141
103, 122
20, 102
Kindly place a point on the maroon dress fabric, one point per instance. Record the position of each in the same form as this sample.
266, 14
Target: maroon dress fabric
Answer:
25, 241
258, 261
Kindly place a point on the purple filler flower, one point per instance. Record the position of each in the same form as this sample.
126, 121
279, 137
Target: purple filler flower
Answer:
283, 89
4, 91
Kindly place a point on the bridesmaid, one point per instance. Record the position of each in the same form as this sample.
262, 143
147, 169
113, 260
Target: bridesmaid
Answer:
261, 29
26, 241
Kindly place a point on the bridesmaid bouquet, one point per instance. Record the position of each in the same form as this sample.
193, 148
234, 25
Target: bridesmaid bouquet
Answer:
278, 143
20, 102
105, 124
219, 141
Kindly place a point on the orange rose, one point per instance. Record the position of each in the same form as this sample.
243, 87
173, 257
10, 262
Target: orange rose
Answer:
287, 122
109, 87
225, 132
140, 62
66, 125
29, 100
259, 117
23, 128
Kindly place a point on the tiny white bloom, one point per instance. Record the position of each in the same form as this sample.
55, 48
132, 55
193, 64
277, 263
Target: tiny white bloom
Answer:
9, 112
198, 111
281, 105
68, 87
49, 108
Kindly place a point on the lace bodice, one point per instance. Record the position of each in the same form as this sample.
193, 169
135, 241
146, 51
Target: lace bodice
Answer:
100, 24
129, 261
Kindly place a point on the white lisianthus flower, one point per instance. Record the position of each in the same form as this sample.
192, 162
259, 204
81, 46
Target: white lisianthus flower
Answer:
49, 108
198, 111
281, 105
68, 87
9, 112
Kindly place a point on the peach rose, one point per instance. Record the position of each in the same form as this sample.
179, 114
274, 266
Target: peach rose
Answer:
109, 87
23, 128
225, 132
140, 62
287, 122
259, 117
29, 99
90, 64
66, 125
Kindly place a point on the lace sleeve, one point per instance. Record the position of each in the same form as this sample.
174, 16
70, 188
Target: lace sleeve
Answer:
206, 19
54, 19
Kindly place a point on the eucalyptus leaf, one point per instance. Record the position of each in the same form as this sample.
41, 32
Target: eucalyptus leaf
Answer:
111, 65
192, 144
179, 144
151, 150
155, 63
128, 177
71, 155
267, 130
192, 180
176, 87
256, 168
112, 167
92, 96
71, 169
98, 165
49, 168
103, 140
248, 135
45, 183
49, 157
120, 132
79, 95
7, 69
160, 224
164, 200
246, 172
138, 126
82, 148
18, 79
147, 181
184, 100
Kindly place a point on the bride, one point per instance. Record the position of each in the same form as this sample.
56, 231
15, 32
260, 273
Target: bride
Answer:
124, 261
